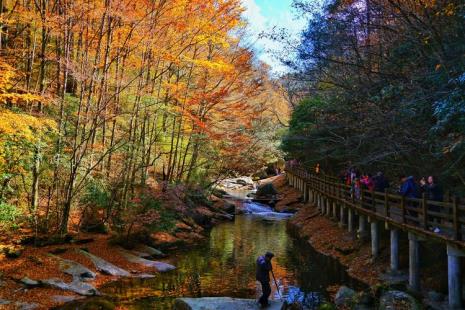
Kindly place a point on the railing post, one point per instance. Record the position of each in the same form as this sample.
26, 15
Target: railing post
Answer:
424, 206
402, 206
362, 197
386, 202
373, 201
457, 228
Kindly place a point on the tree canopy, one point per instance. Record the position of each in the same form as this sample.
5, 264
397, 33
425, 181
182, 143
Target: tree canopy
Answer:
384, 86
115, 93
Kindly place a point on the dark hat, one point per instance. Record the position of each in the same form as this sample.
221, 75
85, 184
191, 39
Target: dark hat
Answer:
269, 254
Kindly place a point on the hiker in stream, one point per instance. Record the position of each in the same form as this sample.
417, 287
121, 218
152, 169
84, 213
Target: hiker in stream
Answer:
263, 276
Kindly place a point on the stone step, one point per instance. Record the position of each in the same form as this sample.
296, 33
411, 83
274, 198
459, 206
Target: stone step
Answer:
222, 303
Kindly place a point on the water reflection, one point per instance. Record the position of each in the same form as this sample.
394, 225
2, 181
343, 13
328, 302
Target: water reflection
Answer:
225, 266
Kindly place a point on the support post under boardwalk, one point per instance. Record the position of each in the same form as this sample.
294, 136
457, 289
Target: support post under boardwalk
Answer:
414, 262
342, 216
374, 239
334, 210
305, 193
362, 231
350, 220
454, 277
394, 250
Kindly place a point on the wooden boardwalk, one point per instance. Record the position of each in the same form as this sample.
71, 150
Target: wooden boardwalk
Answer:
417, 217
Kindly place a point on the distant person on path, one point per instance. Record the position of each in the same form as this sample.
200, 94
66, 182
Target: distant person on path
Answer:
367, 181
432, 192
380, 181
408, 188
263, 276
317, 169
357, 188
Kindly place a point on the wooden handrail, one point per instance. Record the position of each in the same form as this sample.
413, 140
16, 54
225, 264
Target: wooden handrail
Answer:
414, 213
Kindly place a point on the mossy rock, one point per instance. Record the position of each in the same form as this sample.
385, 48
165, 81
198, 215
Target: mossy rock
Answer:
219, 192
327, 306
12, 251
396, 299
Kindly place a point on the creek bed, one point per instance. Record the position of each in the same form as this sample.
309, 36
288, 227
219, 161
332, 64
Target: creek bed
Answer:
224, 265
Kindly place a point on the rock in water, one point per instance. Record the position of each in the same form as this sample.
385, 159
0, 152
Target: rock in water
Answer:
29, 282
76, 286
160, 266
152, 251
222, 303
26, 306
104, 266
64, 299
141, 254
344, 296
266, 190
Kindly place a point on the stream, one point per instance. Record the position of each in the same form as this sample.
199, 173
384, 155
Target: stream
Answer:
224, 265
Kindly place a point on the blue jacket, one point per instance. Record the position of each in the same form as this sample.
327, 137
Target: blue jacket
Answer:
263, 269
409, 189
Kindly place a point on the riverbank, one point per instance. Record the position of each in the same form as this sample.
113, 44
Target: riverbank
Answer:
329, 239
18, 286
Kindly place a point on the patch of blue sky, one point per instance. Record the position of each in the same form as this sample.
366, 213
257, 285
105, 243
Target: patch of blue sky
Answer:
263, 16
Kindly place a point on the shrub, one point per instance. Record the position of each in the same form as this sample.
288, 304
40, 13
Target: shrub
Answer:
9, 216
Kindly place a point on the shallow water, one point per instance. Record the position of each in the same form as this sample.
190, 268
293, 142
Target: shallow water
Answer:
225, 266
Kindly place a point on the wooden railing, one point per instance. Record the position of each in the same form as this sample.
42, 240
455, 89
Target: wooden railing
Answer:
418, 215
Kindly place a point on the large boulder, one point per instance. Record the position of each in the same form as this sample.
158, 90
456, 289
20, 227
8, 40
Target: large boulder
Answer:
222, 303
202, 216
396, 299
266, 190
344, 296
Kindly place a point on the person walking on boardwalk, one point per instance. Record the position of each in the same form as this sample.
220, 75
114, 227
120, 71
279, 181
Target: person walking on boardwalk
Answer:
408, 188
433, 192
380, 181
264, 268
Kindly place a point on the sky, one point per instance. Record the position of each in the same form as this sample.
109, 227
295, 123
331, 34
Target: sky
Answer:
262, 16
